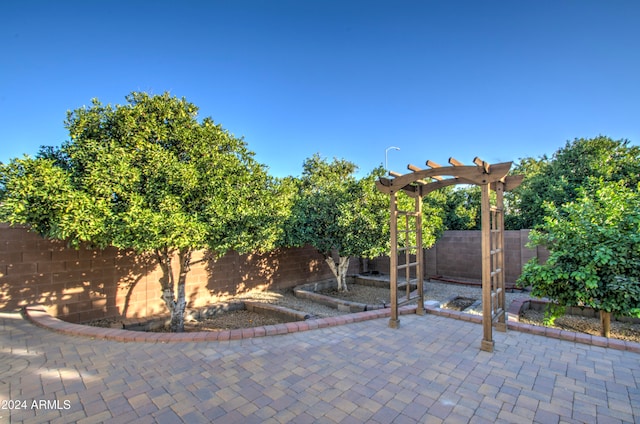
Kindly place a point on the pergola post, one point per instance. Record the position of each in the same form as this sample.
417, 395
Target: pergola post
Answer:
394, 322
419, 256
501, 324
485, 223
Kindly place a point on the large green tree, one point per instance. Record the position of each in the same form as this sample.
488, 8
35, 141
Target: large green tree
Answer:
556, 180
149, 176
339, 215
594, 244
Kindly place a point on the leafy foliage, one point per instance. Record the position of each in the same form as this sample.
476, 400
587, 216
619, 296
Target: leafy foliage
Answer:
39, 193
148, 176
557, 179
335, 212
595, 251
365, 217
338, 214
461, 207
342, 216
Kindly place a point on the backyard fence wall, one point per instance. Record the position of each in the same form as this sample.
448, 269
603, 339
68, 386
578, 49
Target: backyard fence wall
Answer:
458, 255
84, 284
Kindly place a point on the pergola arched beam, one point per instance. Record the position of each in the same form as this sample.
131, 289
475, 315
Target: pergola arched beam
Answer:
510, 182
414, 190
414, 184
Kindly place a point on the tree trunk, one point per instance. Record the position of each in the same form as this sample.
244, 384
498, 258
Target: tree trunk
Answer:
181, 303
339, 270
605, 324
173, 294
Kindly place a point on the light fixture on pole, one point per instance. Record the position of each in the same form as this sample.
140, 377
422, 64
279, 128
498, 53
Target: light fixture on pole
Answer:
386, 159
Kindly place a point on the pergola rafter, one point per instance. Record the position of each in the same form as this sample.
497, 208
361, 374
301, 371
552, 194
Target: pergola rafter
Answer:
419, 183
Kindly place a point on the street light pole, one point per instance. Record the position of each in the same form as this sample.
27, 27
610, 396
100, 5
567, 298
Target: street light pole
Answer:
386, 157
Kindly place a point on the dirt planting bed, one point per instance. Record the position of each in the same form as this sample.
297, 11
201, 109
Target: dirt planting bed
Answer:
589, 325
229, 320
451, 296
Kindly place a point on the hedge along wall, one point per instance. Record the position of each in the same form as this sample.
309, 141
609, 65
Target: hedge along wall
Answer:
84, 284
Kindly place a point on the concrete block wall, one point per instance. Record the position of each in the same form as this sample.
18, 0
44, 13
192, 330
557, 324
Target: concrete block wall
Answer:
84, 284
458, 254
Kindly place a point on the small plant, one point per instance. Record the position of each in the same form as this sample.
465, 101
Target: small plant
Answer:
552, 312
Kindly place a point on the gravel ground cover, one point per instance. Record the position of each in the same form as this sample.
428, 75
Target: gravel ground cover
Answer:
357, 293
231, 321
619, 330
441, 292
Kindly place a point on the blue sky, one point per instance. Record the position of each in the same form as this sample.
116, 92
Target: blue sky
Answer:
497, 79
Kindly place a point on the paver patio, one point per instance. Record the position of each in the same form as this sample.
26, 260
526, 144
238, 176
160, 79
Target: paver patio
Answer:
430, 370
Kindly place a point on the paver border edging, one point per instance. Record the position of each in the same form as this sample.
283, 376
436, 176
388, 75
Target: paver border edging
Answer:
39, 316
310, 291
554, 333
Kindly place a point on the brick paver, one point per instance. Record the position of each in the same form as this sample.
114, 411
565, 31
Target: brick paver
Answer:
429, 370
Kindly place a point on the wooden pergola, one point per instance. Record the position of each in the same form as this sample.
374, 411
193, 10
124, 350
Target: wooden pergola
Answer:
417, 184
